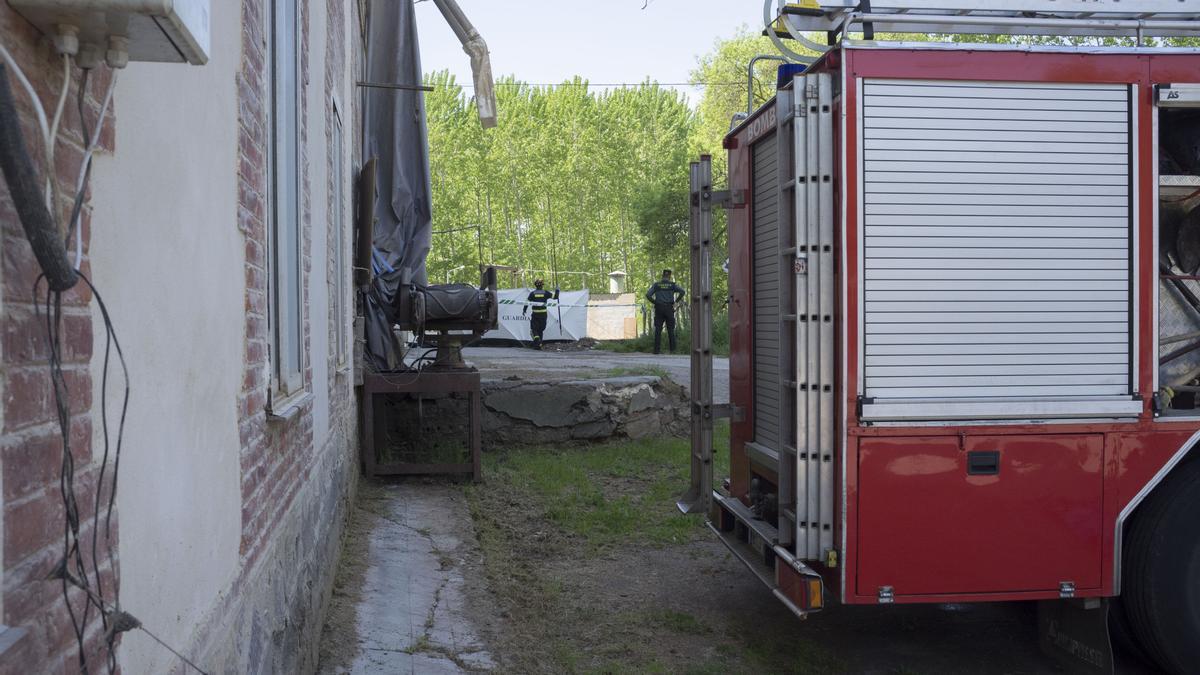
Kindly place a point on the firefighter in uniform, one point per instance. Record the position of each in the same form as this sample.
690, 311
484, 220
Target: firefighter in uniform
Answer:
538, 299
664, 295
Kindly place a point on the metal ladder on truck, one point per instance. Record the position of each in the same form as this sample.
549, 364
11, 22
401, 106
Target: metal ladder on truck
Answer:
698, 498
809, 260
803, 459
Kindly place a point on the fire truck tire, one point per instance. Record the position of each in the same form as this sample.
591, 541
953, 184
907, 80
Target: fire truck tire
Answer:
1161, 576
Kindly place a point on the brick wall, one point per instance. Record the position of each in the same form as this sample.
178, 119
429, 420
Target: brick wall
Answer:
276, 453
295, 496
30, 446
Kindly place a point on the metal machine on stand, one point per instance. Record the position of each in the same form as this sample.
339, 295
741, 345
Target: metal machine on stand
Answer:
394, 237
454, 314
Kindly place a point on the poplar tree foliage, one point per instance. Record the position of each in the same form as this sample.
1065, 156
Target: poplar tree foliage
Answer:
559, 185
587, 181
581, 180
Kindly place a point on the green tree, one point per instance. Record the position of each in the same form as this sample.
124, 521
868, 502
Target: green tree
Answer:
556, 188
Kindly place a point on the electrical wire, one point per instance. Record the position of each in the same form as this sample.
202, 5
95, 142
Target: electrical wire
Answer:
172, 650
111, 342
72, 553
85, 167
124, 621
84, 175
51, 138
73, 556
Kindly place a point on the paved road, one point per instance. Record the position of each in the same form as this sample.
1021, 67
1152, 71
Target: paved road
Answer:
504, 361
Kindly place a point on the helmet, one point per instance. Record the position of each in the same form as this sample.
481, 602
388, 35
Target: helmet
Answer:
538, 282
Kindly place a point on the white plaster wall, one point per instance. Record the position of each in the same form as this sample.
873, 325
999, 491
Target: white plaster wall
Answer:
168, 257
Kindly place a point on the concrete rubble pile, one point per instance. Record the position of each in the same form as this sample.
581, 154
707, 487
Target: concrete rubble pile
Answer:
520, 412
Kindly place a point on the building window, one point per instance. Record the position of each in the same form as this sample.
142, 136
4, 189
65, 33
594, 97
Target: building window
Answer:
287, 321
339, 232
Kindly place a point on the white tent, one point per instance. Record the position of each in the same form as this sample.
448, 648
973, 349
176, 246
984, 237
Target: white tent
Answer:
514, 325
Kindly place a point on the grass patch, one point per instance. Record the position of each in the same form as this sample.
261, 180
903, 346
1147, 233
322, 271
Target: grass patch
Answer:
638, 370
677, 622
566, 536
612, 494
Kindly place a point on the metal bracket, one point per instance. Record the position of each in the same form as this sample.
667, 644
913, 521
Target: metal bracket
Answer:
858, 405
1066, 589
733, 412
725, 199
868, 28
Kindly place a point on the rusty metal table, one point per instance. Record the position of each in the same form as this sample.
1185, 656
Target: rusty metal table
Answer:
425, 382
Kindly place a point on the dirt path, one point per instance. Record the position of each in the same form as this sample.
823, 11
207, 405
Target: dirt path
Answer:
563, 593
446, 578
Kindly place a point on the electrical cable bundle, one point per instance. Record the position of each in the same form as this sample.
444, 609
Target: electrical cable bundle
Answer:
36, 208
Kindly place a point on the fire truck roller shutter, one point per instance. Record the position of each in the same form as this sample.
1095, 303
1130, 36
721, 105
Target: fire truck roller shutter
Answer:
766, 292
997, 262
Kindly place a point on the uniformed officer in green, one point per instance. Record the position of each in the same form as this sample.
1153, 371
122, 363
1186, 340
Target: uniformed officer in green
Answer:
538, 299
664, 295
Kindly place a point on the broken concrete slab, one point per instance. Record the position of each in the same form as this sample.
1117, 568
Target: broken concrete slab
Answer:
518, 412
501, 362
409, 613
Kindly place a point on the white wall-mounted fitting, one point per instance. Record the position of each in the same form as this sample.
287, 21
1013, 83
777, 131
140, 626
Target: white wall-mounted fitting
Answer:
117, 55
66, 39
89, 56
152, 30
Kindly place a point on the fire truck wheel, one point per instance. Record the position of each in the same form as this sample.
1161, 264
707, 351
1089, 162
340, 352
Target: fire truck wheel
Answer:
1161, 576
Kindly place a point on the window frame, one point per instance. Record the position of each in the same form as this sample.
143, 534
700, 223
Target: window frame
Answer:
285, 232
338, 228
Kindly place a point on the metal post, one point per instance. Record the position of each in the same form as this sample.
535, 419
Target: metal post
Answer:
698, 498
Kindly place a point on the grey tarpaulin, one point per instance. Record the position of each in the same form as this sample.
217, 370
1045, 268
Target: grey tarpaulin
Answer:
395, 134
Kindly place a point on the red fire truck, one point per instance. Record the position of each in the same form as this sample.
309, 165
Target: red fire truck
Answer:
965, 332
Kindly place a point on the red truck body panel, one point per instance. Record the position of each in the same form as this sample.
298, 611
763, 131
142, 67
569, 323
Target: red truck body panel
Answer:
909, 516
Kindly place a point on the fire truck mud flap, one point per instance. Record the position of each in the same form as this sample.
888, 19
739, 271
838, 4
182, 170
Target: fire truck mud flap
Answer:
754, 543
1075, 633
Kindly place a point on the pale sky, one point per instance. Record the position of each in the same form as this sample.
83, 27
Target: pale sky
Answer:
604, 41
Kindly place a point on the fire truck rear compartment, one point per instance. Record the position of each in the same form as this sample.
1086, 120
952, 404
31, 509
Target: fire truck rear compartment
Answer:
956, 514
